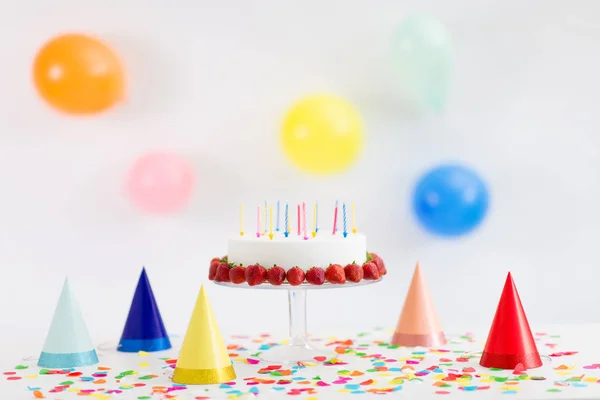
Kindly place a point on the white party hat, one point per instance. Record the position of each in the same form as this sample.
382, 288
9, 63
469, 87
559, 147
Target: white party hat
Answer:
68, 343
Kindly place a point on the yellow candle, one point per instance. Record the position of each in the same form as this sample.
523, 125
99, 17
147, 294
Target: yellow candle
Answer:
271, 222
353, 219
242, 220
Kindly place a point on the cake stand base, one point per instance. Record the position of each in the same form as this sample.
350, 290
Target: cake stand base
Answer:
298, 349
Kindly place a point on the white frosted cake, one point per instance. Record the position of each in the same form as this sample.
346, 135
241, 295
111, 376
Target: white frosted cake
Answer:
294, 251
278, 257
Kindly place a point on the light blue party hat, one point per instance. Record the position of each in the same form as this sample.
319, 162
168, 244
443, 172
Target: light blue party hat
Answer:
68, 343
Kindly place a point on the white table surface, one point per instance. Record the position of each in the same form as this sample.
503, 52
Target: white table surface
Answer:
581, 338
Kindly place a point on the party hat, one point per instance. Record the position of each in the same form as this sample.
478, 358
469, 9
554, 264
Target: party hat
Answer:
203, 358
510, 341
418, 324
144, 328
68, 343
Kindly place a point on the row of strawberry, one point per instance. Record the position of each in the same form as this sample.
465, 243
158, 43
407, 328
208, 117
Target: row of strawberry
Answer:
223, 271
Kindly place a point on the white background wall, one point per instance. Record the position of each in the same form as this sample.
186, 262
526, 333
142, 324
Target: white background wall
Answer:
213, 79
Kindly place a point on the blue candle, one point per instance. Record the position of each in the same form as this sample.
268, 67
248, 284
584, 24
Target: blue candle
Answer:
287, 224
277, 224
317, 218
344, 218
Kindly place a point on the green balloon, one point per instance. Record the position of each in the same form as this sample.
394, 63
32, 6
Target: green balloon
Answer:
423, 59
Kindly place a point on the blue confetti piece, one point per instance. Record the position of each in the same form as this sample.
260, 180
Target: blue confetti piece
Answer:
379, 364
33, 388
351, 386
278, 388
395, 369
438, 370
418, 352
254, 389
236, 392
578, 384
358, 392
469, 388
397, 388
298, 378
224, 386
264, 347
510, 392
86, 378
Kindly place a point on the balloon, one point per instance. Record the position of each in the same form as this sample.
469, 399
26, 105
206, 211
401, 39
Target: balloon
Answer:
423, 59
322, 134
450, 200
160, 182
78, 74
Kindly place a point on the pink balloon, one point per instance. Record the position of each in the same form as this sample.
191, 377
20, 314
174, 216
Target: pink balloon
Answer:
160, 182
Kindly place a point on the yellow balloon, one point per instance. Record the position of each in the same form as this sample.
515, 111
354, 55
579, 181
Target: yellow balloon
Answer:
322, 134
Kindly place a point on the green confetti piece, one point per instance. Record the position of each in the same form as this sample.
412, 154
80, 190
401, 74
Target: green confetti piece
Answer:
318, 378
496, 369
363, 334
276, 373
343, 371
21, 366
128, 372
145, 377
144, 397
383, 345
416, 380
555, 336
554, 390
44, 371
500, 378
65, 383
255, 354
371, 370
361, 354
446, 364
393, 346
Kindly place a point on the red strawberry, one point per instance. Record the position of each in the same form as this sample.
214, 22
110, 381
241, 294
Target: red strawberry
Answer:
370, 271
315, 276
335, 274
276, 275
237, 274
295, 276
256, 274
214, 264
222, 272
380, 264
354, 272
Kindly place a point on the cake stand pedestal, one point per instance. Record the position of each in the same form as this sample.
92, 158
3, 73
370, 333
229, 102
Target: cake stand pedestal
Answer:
298, 349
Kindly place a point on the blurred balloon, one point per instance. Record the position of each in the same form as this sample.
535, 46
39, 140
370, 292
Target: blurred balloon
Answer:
160, 182
322, 134
423, 58
450, 200
78, 74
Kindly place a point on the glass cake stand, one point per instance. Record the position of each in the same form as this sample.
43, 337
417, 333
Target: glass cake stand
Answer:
297, 349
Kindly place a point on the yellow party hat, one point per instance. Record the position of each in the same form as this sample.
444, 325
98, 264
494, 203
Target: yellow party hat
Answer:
203, 359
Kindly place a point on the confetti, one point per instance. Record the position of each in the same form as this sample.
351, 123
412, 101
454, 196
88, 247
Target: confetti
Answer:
357, 366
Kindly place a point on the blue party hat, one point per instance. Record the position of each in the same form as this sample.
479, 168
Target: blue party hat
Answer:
68, 344
144, 329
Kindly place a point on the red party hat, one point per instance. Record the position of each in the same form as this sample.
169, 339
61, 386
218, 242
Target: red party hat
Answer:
510, 341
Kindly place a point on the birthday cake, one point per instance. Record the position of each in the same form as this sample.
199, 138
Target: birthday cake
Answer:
282, 257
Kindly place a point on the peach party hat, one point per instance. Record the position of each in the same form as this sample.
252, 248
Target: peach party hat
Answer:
418, 324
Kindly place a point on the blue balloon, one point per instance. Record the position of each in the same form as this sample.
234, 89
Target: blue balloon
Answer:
450, 200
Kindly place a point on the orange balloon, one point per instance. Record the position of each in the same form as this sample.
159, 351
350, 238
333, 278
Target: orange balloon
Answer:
78, 74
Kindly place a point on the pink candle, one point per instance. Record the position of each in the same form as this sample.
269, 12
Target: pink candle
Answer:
304, 220
298, 219
258, 221
335, 218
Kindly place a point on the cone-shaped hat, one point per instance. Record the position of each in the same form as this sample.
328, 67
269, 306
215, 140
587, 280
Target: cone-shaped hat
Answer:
418, 324
203, 358
144, 328
510, 341
68, 344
